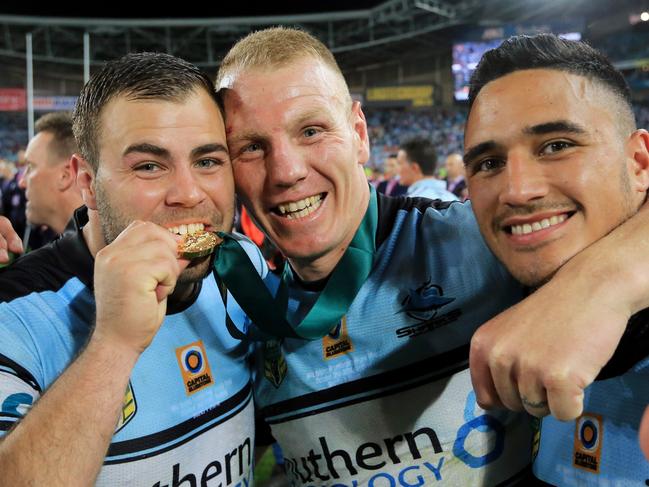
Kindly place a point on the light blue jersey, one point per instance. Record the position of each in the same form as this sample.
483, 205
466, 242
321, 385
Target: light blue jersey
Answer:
386, 399
187, 416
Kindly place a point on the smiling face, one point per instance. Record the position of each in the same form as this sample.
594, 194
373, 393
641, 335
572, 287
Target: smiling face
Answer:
298, 145
549, 168
165, 162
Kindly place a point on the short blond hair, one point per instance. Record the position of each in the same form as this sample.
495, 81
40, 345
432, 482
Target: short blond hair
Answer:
275, 47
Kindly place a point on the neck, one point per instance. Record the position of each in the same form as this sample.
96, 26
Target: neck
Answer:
65, 212
320, 268
92, 233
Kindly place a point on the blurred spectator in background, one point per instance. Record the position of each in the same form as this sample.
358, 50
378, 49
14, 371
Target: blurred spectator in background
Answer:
417, 163
455, 174
390, 185
7, 173
49, 182
13, 197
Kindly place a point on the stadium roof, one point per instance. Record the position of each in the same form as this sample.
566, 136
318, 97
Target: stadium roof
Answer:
364, 33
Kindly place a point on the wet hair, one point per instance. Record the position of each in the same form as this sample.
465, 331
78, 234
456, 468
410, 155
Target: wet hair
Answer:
137, 76
59, 124
548, 51
421, 151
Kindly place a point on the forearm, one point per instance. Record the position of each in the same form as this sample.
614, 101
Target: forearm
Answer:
614, 269
64, 438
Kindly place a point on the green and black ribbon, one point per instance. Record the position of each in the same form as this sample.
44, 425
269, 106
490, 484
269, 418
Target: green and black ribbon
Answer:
268, 313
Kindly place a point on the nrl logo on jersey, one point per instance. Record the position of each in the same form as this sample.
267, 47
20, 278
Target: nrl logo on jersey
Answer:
275, 367
337, 341
129, 408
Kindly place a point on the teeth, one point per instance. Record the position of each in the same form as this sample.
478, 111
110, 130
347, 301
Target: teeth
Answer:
187, 229
536, 226
301, 208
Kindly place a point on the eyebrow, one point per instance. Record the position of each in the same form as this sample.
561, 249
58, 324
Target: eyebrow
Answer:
540, 129
162, 152
556, 126
477, 150
208, 148
309, 115
147, 149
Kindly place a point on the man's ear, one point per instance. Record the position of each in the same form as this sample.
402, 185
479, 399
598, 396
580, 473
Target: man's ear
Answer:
637, 146
85, 177
66, 177
360, 128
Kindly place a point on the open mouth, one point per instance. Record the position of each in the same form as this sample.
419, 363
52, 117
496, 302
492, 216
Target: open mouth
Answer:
531, 227
187, 229
301, 208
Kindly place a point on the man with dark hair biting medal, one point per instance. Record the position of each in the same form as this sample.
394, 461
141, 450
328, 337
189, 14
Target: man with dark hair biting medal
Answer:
118, 365
555, 162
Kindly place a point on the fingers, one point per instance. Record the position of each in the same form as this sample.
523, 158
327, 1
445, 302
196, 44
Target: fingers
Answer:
505, 380
483, 384
9, 240
134, 275
532, 393
565, 399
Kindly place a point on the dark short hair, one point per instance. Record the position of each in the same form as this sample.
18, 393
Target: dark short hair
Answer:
548, 51
138, 76
59, 124
421, 151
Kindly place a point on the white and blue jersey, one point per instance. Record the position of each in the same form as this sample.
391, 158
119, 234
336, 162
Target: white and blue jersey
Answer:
187, 416
601, 446
386, 399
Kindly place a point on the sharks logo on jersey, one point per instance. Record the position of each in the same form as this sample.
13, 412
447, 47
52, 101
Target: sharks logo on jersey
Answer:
423, 302
422, 305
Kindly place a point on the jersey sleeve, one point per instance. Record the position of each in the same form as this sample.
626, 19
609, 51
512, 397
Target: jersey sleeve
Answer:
20, 384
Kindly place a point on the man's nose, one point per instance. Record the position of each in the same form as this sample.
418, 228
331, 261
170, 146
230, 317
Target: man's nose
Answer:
526, 180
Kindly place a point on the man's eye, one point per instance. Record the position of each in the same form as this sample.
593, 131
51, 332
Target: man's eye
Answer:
254, 147
148, 167
207, 163
555, 146
310, 132
489, 165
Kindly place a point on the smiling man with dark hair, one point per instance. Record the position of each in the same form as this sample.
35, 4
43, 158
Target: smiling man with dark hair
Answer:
554, 163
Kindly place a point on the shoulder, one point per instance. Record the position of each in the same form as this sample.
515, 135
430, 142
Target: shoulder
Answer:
47, 268
421, 211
